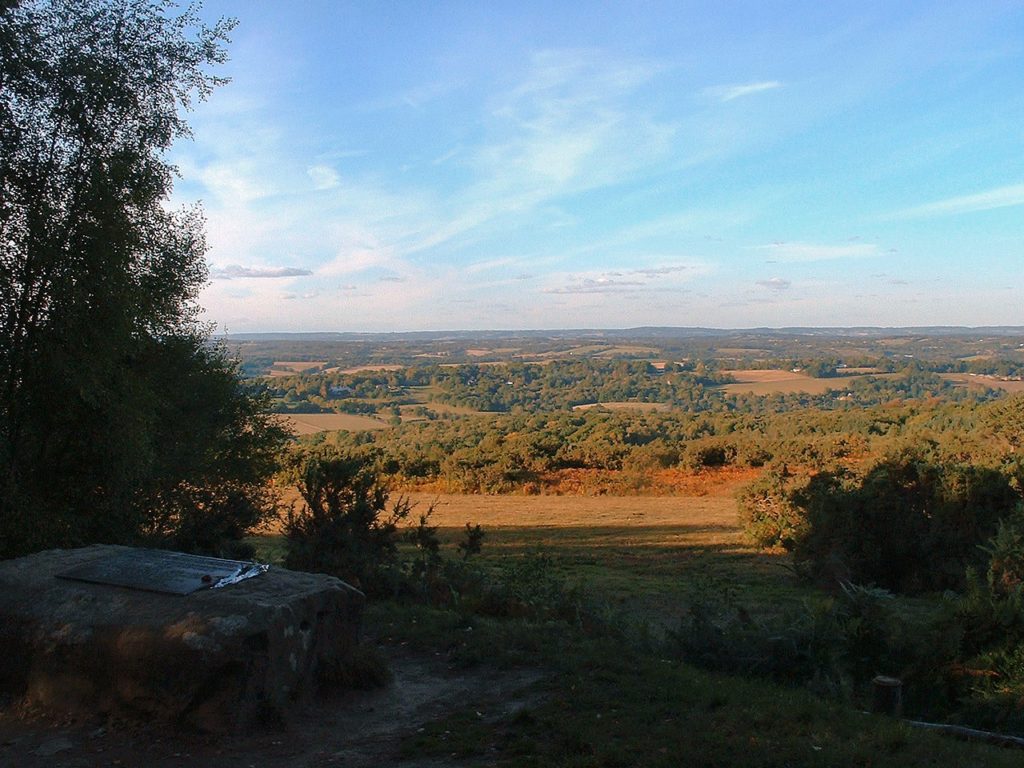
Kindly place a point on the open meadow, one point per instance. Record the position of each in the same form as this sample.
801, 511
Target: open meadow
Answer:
291, 367
647, 555
311, 423
769, 382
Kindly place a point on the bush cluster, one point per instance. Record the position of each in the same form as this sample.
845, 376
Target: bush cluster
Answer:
906, 523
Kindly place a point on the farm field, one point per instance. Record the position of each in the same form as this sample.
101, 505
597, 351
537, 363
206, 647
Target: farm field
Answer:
767, 382
292, 367
625, 406
311, 423
987, 382
441, 409
370, 367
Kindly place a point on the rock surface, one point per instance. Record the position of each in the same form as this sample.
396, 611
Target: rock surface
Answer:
216, 660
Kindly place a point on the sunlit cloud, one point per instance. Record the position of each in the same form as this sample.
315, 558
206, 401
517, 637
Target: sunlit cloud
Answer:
775, 284
647, 280
599, 285
233, 271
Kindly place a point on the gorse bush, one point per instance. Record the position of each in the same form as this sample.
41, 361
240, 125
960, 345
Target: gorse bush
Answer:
347, 526
344, 526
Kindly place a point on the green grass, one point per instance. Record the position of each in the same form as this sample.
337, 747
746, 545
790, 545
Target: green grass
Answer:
606, 702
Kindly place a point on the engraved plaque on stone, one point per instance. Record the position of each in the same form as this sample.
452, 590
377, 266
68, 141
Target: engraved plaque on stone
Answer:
155, 570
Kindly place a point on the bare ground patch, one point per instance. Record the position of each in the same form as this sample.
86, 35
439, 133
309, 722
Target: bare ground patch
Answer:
364, 728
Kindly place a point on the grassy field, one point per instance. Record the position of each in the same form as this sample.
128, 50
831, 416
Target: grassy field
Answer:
311, 423
370, 367
647, 554
769, 382
293, 367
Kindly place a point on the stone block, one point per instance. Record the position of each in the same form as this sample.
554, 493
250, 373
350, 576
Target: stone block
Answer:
215, 660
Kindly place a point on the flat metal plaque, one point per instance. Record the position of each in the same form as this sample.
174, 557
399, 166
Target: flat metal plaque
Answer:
156, 570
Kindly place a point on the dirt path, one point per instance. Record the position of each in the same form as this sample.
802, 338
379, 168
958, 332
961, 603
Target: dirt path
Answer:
357, 729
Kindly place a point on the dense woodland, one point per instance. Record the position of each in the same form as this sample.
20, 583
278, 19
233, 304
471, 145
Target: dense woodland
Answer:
564, 384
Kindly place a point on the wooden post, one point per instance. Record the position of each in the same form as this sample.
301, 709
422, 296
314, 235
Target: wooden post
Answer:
888, 695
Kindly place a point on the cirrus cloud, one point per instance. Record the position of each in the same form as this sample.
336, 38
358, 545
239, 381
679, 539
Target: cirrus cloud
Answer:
730, 92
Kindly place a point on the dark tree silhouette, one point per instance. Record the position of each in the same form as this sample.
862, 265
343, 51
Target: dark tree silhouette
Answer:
118, 418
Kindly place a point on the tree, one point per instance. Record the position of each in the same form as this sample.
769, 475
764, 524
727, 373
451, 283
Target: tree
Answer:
116, 411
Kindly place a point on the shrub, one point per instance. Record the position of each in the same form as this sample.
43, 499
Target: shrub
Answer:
343, 526
907, 524
768, 512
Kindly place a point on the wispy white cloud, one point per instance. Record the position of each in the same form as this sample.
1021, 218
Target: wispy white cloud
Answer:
598, 285
485, 266
415, 97
659, 271
570, 124
233, 271
667, 277
1000, 197
797, 252
730, 92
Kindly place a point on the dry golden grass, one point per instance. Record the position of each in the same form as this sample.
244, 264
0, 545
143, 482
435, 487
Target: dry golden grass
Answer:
455, 510
650, 553
700, 498
768, 382
311, 423
706, 498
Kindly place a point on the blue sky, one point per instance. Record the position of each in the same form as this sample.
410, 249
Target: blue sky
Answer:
389, 166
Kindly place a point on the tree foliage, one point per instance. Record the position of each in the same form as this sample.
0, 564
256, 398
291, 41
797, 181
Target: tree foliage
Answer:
905, 523
117, 416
